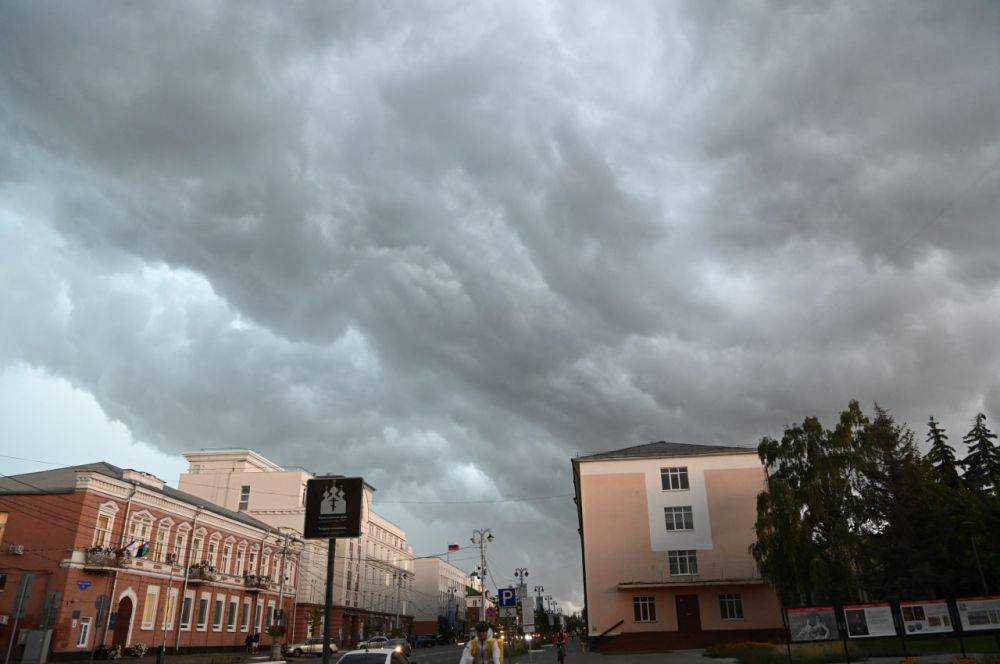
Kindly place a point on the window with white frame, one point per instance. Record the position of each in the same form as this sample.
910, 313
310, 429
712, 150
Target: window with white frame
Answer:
258, 616
679, 518
234, 605
245, 615
290, 572
241, 554
265, 563
220, 607
227, 554
169, 608
197, 543
149, 607
213, 548
203, 603
674, 479
140, 527
682, 562
83, 638
644, 608
105, 525
180, 546
252, 559
731, 606
270, 612
244, 498
161, 546
186, 607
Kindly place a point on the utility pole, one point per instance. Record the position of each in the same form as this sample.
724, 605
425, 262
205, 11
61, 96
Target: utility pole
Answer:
281, 580
482, 538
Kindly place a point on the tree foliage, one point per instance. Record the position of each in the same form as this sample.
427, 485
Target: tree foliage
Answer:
856, 513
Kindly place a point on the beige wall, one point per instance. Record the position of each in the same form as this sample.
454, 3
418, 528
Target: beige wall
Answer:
621, 504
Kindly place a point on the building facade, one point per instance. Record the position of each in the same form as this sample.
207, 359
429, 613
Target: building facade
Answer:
439, 594
171, 569
372, 573
665, 531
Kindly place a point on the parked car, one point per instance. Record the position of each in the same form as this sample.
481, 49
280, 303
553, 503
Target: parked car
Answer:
425, 641
374, 642
312, 646
400, 645
373, 656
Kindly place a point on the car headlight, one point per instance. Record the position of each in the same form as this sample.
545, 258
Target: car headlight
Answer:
399, 648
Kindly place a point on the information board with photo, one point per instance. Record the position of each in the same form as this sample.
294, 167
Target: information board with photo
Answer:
868, 620
979, 613
812, 623
925, 617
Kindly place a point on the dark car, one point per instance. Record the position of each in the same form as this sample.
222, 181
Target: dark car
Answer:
425, 641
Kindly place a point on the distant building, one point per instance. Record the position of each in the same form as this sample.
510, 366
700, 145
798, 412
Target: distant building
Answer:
439, 593
373, 574
665, 531
174, 569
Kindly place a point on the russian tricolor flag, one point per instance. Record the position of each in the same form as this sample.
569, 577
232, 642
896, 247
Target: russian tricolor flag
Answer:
453, 547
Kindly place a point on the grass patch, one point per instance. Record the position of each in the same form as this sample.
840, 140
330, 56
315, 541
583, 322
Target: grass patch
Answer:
769, 653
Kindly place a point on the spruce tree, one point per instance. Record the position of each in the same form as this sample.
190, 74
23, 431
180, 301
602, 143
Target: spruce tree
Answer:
941, 455
982, 463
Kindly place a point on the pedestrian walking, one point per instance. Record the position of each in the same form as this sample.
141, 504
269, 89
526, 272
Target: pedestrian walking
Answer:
249, 643
256, 642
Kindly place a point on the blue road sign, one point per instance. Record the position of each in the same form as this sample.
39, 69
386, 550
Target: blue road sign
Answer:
83, 585
507, 597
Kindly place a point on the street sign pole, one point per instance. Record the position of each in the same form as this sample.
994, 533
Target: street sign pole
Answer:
331, 554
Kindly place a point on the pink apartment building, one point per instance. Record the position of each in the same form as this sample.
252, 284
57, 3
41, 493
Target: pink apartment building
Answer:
665, 530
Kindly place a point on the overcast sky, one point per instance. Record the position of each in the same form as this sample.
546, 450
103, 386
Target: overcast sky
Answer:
447, 246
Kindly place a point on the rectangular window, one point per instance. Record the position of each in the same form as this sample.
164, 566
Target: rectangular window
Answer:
186, 611
149, 607
84, 637
161, 546
683, 562
244, 498
227, 554
270, 613
258, 616
213, 546
102, 532
220, 603
234, 605
731, 606
3, 525
196, 543
3, 581
245, 616
674, 479
240, 553
644, 609
169, 607
679, 518
203, 612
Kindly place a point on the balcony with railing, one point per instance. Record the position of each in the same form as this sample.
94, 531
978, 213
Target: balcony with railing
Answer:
201, 573
100, 559
256, 583
707, 574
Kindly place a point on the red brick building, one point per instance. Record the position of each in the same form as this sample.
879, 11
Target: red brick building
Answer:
175, 570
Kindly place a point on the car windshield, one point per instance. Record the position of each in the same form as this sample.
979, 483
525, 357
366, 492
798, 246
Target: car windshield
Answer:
363, 658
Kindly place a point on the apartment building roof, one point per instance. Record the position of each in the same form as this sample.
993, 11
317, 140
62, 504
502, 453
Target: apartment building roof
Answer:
63, 480
664, 448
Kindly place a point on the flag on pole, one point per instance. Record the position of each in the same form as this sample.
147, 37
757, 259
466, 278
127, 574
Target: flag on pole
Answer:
453, 547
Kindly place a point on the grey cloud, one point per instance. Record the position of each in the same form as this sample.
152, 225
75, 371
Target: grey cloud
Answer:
402, 240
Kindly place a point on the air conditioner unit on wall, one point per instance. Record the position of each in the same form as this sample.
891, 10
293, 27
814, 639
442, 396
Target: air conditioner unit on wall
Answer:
16, 549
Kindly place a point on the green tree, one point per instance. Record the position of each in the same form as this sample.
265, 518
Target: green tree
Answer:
941, 455
982, 462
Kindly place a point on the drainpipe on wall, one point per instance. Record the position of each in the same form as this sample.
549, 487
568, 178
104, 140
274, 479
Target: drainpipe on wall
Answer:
184, 586
121, 544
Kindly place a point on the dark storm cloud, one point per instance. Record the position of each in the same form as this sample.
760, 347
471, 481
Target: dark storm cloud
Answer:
449, 245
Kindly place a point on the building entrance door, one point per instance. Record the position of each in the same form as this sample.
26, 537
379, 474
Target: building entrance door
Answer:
688, 613
123, 622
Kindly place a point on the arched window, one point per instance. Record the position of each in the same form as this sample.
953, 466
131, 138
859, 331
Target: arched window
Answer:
241, 555
105, 524
161, 545
180, 543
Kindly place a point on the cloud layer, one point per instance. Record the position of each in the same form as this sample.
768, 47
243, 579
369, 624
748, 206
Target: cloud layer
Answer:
449, 245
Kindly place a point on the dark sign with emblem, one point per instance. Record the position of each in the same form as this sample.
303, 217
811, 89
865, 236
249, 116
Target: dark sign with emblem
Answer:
333, 507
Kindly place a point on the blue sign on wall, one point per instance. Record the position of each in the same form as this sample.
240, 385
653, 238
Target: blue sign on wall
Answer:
507, 597
83, 585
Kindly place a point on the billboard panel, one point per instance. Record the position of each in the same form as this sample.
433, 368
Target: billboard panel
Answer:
868, 620
333, 507
979, 613
926, 617
812, 623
